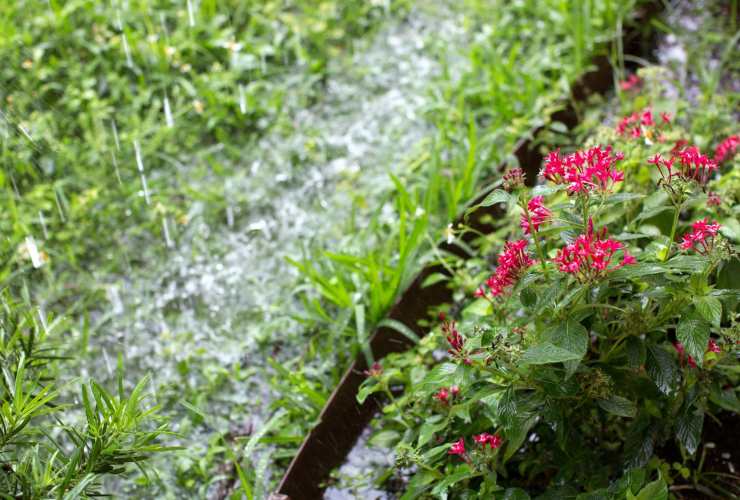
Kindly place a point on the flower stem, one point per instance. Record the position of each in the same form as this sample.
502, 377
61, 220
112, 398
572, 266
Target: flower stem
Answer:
540, 253
673, 232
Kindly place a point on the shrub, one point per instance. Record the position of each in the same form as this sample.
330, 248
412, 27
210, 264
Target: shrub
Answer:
603, 342
42, 456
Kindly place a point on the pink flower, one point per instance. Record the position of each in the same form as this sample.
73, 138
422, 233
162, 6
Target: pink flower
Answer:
584, 171
726, 149
537, 211
682, 353
646, 118
443, 395
375, 370
713, 199
512, 262
589, 257
456, 341
713, 347
701, 236
638, 123
632, 82
695, 166
457, 448
513, 179
678, 346
492, 440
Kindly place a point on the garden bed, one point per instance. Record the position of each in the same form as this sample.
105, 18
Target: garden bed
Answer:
327, 442
343, 419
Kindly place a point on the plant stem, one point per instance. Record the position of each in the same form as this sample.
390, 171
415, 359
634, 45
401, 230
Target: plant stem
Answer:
673, 232
540, 253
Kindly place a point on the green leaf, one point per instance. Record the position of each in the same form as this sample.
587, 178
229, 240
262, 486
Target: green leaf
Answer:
516, 435
661, 368
528, 297
693, 333
569, 335
433, 279
637, 270
365, 391
619, 406
657, 490
496, 196
547, 353
623, 197
710, 308
688, 429
400, 328
440, 376
515, 494
385, 439
427, 431
462, 472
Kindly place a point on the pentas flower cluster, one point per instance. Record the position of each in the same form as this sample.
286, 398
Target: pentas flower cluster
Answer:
584, 171
538, 212
457, 448
641, 124
513, 179
456, 341
726, 149
681, 350
632, 82
696, 166
376, 370
692, 166
713, 199
512, 263
492, 440
444, 395
701, 236
589, 257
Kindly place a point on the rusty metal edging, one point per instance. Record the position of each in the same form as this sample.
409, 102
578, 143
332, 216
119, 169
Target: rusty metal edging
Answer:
343, 419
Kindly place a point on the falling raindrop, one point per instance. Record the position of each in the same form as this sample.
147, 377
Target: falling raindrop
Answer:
167, 111
191, 14
166, 231
118, 22
153, 387
58, 201
127, 51
114, 298
43, 225
42, 318
115, 166
33, 252
115, 135
164, 25
15, 186
230, 216
140, 166
26, 133
107, 361
242, 100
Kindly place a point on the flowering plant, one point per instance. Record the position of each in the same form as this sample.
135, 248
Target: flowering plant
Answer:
605, 332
